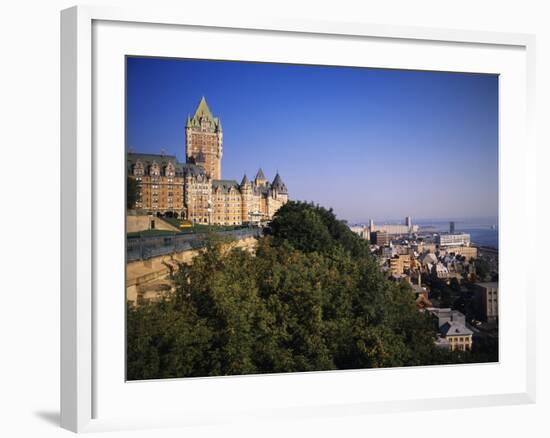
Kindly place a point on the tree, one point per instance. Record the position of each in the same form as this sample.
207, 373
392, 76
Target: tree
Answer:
311, 298
308, 227
454, 284
131, 192
482, 268
446, 297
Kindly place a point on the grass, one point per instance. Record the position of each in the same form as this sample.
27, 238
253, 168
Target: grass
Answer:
198, 227
175, 222
152, 233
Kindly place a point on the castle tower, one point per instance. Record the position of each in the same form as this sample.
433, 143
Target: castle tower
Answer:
278, 188
203, 140
246, 200
278, 196
260, 179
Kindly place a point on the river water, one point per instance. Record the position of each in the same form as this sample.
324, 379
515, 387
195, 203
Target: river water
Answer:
483, 232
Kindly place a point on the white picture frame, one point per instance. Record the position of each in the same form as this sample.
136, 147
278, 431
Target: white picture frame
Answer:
80, 338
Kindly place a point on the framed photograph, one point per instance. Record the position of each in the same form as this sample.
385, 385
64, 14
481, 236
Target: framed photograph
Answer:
277, 219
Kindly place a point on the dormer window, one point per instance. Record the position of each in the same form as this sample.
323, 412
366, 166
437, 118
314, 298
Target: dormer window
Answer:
138, 169
155, 169
170, 170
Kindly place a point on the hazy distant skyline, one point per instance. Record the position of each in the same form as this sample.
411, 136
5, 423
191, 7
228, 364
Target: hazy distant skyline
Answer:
367, 142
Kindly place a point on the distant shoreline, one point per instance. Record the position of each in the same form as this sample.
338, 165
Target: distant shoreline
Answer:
482, 235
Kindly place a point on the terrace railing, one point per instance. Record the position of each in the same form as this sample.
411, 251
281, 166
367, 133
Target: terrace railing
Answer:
145, 247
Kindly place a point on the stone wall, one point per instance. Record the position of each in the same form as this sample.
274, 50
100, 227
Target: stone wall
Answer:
148, 278
135, 223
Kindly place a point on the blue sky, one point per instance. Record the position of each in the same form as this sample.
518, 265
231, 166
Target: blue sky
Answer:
367, 142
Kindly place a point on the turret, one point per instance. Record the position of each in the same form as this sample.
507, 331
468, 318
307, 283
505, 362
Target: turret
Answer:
245, 182
278, 185
260, 179
247, 206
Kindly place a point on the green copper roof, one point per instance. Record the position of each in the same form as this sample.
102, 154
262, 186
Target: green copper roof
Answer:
203, 112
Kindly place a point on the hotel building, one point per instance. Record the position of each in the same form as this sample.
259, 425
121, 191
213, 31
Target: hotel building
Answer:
194, 190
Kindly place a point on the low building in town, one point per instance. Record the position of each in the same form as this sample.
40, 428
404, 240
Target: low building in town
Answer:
380, 238
424, 247
469, 252
421, 294
440, 271
458, 336
446, 314
400, 264
453, 239
486, 299
361, 230
394, 229
452, 330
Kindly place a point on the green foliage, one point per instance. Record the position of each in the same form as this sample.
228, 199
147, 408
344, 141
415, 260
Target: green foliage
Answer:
199, 228
131, 192
454, 285
308, 227
482, 268
310, 298
441, 291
